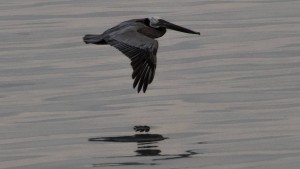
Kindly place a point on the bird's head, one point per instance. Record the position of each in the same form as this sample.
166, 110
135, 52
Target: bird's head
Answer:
154, 21
157, 22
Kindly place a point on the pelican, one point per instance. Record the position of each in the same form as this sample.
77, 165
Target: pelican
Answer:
135, 39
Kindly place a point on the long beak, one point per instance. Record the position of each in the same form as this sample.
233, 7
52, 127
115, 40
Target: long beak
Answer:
172, 26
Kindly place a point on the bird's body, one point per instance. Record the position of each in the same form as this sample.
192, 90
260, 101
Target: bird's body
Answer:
136, 39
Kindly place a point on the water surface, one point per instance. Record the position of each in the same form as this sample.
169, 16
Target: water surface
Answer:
227, 99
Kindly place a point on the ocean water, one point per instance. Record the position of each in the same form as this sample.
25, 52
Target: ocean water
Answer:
229, 98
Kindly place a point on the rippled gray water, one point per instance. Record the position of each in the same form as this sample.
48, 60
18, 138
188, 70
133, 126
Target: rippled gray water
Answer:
227, 99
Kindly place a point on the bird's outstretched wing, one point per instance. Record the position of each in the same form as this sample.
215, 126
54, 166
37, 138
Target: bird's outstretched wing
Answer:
141, 50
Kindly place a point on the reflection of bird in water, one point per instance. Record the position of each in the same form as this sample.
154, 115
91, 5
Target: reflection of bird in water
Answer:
146, 142
149, 148
141, 128
138, 138
135, 39
147, 152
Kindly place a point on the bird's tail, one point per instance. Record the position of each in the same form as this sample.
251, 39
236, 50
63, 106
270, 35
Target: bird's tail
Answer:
94, 39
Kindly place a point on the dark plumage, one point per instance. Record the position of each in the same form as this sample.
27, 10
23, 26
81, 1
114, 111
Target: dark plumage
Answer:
135, 39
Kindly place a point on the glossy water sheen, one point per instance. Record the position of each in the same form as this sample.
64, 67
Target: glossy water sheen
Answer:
228, 99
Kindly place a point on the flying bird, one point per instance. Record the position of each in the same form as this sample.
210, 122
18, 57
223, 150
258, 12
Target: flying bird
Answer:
135, 39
